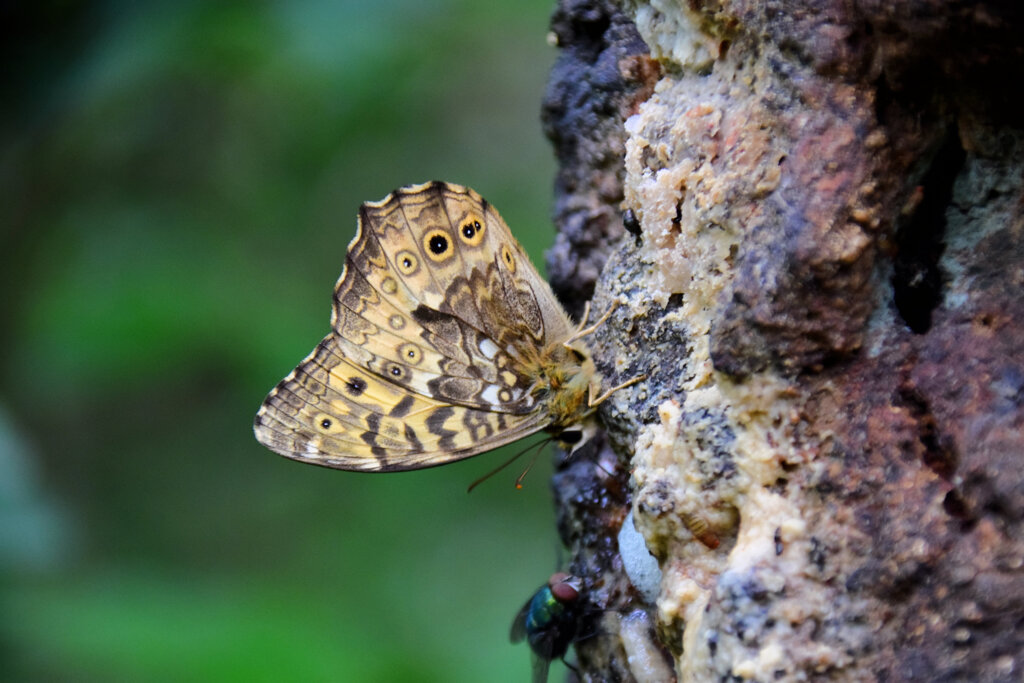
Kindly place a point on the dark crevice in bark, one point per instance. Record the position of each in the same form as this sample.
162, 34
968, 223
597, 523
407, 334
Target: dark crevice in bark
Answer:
937, 456
918, 281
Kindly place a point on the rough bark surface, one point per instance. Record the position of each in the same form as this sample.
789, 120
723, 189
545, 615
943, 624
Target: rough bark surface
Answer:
601, 75
824, 291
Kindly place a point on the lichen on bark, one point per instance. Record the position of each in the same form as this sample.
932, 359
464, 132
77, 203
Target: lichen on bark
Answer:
824, 295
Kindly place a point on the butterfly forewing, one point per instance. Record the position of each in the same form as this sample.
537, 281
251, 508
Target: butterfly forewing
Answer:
438, 312
438, 321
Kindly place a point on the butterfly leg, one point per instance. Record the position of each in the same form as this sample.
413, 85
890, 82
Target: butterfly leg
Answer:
584, 331
586, 313
593, 401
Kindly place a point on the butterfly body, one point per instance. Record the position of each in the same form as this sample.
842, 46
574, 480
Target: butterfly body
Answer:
566, 379
445, 343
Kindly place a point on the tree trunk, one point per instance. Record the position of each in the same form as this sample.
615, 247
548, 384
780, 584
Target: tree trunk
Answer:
823, 283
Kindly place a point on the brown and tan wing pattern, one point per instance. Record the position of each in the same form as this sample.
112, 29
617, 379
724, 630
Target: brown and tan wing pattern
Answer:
335, 413
437, 321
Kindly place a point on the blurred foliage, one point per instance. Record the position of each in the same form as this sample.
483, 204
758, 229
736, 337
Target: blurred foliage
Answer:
179, 181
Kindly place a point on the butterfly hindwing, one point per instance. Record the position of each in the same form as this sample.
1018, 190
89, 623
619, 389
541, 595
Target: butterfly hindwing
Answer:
332, 412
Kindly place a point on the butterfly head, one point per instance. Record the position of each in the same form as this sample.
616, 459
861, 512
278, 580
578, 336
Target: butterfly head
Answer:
566, 379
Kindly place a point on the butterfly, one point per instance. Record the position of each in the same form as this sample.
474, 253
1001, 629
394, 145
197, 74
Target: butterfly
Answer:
445, 342
550, 622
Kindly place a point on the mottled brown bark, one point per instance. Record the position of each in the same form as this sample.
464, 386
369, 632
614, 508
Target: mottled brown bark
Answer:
825, 293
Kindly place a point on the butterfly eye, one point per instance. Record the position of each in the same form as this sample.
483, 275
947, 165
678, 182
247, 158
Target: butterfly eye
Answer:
438, 247
356, 385
325, 423
396, 372
508, 258
407, 262
571, 436
472, 233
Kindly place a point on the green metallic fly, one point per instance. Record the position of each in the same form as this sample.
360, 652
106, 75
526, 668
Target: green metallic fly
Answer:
550, 622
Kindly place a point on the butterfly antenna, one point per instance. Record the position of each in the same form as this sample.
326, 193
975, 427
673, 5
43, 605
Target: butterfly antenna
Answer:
508, 462
519, 479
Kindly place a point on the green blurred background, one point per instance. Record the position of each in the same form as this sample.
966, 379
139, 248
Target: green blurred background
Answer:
178, 182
